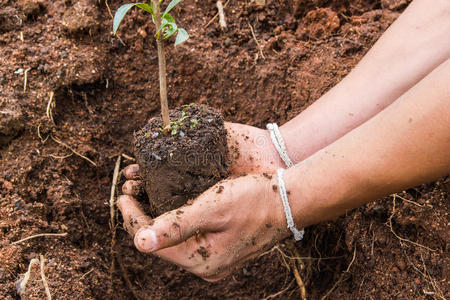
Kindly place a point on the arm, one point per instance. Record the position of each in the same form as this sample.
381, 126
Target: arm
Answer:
415, 44
405, 144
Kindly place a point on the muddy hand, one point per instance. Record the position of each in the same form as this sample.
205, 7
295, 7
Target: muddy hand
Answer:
233, 221
251, 150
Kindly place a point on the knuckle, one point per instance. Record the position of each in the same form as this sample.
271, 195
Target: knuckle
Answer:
131, 171
123, 201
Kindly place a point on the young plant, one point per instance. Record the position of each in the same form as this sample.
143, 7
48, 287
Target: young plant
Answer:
165, 27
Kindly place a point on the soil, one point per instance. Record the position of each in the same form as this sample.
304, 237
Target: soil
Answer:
181, 164
102, 91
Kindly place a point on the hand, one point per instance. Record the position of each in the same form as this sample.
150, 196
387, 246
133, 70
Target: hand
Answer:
235, 220
251, 152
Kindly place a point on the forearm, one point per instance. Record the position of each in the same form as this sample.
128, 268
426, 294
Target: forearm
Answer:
404, 145
412, 47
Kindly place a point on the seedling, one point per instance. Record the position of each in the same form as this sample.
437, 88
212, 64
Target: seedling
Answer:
165, 27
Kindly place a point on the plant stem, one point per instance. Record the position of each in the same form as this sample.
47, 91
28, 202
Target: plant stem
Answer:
162, 68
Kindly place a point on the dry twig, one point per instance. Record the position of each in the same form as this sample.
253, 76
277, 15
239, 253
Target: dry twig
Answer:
39, 235
222, 21
216, 15
23, 283
112, 211
25, 79
112, 202
71, 149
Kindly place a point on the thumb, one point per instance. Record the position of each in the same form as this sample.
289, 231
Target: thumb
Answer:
174, 227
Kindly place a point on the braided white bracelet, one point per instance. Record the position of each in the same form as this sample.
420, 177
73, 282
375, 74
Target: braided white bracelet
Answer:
298, 234
278, 142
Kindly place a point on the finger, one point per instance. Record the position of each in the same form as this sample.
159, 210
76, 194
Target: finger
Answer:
132, 187
133, 216
179, 225
131, 172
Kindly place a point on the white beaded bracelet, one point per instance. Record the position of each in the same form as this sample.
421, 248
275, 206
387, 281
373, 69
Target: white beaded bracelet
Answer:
278, 142
298, 234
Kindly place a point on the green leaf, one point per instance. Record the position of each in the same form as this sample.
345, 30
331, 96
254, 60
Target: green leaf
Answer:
146, 7
171, 5
182, 36
120, 13
194, 123
168, 26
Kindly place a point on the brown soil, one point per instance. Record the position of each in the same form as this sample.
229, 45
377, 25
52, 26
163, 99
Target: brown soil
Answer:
104, 91
179, 165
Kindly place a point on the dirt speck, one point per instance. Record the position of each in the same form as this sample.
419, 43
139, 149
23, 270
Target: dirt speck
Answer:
219, 189
203, 252
268, 176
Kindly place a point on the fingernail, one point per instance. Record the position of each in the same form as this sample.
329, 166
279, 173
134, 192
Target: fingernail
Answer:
146, 240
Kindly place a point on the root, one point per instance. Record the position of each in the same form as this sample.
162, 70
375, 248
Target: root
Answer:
341, 278
277, 248
39, 235
44, 280
399, 237
49, 111
409, 201
256, 40
297, 276
40, 136
437, 291
71, 149
279, 293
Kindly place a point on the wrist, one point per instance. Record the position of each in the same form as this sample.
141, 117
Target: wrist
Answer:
277, 214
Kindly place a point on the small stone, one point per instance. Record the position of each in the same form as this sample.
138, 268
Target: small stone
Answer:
181, 133
227, 42
157, 157
155, 135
